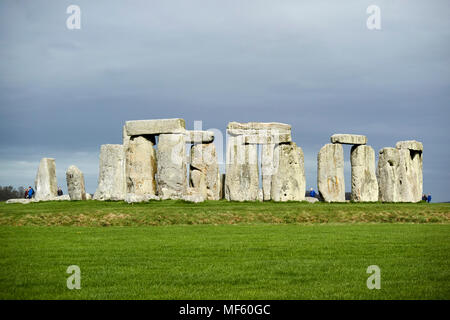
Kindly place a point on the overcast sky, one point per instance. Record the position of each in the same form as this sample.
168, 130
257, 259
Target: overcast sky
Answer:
312, 64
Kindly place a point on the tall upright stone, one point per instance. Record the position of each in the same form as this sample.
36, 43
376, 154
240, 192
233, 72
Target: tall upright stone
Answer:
242, 173
75, 183
46, 183
288, 179
364, 180
171, 164
330, 173
389, 175
411, 161
267, 169
204, 169
111, 181
141, 165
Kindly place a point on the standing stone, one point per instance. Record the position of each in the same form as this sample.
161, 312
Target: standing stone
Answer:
411, 163
75, 183
389, 175
242, 174
141, 166
267, 169
204, 163
111, 181
222, 186
364, 180
46, 183
125, 138
171, 163
330, 173
288, 180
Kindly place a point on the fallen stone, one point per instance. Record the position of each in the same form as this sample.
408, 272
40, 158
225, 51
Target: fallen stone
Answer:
204, 170
140, 166
330, 173
75, 183
198, 136
171, 164
288, 180
111, 181
311, 199
137, 198
46, 184
22, 201
156, 126
242, 172
364, 179
348, 139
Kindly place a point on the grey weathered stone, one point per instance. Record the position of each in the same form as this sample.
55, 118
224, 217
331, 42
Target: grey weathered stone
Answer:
410, 144
136, 198
411, 161
330, 173
311, 199
199, 136
204, 170
22, 201
364, 180
155, 126
46, 183
195, 197
171, 164
288, 179
261, 132
242, 173
388, 175
88, 196
348, 139
267, 169
75, 183
399, 173
125, 138
111, 181
140, 168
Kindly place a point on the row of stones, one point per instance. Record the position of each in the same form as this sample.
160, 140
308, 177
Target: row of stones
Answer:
135, 171
398, 177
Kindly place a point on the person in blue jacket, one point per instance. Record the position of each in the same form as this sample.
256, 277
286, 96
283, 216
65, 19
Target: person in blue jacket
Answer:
429, 198
312, 193
30, 192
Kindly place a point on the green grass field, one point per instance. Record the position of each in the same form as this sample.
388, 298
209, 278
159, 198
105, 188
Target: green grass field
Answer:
221, 250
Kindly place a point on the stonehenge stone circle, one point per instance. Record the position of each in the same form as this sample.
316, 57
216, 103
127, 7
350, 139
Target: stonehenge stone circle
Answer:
152, 164
46, 183
75, 183
141, 165
171, 166
364, 179
348, 139
288, 180
159, 126
204, 170
111, 181
330, 173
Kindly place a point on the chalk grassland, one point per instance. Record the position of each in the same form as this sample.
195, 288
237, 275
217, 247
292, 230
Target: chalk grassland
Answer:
224, 250
227, 261
158, 213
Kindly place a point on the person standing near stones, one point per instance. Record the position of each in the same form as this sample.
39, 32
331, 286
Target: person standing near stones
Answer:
312, 193
26, 193
30, 192
424, 197
429, 198
60, 192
